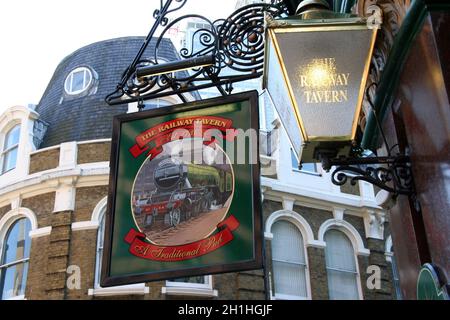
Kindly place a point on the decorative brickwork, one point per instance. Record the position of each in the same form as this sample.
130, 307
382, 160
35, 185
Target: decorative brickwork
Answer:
58, 255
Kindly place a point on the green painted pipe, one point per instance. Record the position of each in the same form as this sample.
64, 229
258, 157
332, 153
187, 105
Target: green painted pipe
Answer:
389, 78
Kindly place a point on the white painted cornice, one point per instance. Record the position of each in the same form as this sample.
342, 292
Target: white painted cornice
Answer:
17, 112
319, 199
84, 175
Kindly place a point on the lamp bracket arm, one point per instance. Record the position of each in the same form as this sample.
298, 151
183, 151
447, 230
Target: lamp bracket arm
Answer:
392, 173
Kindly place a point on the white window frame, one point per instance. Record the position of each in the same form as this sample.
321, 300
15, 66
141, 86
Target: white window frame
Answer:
68, 83
190, 289
10, 148
308, 240
355, 257
12, 264
279, 296
316, 173
97, 290
6, 222
349, 230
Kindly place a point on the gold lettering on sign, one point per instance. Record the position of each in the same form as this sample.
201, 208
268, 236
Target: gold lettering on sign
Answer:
321, 83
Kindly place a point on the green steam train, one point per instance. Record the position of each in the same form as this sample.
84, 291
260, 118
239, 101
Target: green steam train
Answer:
184, 191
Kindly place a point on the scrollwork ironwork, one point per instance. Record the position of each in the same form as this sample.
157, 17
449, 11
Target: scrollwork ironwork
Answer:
395, 177
392, 173
237, 44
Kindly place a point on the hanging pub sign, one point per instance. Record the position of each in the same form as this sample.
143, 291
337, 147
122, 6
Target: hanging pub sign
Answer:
184, 193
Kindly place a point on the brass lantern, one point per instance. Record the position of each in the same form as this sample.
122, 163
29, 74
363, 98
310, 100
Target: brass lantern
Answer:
316, 67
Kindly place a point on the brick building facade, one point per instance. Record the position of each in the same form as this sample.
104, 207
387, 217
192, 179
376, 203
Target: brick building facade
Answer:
59, 183
69, 238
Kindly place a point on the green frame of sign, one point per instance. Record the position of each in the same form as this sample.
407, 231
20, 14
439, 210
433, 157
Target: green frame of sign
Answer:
428, 284
129, 256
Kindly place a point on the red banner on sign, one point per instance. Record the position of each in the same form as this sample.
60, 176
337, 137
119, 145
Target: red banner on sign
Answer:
184, 128
145, 250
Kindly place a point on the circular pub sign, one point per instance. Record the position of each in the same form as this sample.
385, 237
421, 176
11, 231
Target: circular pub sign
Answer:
428, 285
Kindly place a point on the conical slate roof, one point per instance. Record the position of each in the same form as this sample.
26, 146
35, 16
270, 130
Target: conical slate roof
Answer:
86, 116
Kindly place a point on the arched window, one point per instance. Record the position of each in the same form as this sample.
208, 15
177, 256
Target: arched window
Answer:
99, 254
98, 222
342, 271
14, 259
289, 261
10, 148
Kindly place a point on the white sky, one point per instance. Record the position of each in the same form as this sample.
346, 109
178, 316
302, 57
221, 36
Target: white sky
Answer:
36, 35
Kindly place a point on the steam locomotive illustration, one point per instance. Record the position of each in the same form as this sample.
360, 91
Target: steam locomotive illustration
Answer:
183, 190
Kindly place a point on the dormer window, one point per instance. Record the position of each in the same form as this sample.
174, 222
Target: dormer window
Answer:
78, 80
10, 148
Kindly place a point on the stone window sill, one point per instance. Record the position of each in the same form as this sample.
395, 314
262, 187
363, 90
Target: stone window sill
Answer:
22, 297
190, 291
288, 297
134, 289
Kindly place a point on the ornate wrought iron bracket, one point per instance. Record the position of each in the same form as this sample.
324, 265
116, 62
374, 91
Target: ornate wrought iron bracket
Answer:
236, 45
392, 173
